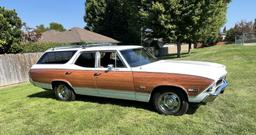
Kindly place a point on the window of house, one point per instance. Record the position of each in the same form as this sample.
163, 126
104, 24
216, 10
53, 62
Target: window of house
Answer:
108, 58
59, 57
86, 59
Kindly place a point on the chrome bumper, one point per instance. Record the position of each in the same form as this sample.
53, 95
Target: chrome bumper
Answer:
219, 90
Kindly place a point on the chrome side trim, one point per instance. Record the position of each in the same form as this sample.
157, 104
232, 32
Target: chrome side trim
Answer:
41, 85
199, 98
117, 94
86, 91
144, 97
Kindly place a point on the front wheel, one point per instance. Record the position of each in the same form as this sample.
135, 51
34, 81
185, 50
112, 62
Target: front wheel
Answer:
64, 92
170, 103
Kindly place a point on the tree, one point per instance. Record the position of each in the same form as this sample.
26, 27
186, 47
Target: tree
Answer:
224, 29
29, 34
52, 26
230, 35
254, 25
95, 12
40, 29
56, 26
239, 29
178, 21
212, 18
118, 19
243, 27
185, 21
10, 31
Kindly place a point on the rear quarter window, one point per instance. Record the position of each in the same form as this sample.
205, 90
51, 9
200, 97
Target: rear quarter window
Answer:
60, 57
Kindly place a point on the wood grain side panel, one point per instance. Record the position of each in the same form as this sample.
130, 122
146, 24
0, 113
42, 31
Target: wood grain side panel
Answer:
116, 80
144, 81
82, 78
77, 78
46, 75
122, 80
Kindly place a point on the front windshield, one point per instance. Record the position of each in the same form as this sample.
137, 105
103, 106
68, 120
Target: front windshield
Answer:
138, 57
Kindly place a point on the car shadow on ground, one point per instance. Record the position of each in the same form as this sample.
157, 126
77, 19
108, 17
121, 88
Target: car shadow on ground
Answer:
101, 100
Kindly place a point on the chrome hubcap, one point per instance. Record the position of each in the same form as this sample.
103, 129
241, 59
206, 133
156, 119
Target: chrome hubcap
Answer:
169, 102
62, 92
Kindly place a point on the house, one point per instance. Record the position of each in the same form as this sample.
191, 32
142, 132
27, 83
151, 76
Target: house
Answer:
75, 35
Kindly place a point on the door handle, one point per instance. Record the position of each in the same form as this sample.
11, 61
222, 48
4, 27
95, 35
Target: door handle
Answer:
97, 74
68, 73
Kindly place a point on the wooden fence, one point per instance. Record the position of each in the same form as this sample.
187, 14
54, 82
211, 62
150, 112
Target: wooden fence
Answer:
14, 67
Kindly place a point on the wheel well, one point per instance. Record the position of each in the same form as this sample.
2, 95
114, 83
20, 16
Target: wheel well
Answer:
169, 88
55, 83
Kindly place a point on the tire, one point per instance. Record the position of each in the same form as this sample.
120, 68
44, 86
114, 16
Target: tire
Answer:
64, 92
170, 103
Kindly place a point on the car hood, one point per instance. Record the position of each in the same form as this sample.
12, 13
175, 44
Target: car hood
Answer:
197, 68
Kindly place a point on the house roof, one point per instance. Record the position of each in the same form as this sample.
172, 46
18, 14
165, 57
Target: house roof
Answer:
75, 35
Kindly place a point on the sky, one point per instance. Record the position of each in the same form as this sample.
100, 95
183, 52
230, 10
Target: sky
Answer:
35, 12
70, 12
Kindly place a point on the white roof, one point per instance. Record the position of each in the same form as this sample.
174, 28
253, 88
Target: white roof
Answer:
92, 48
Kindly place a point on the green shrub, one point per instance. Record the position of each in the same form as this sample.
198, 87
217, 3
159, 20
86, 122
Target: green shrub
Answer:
41, 47
38, 47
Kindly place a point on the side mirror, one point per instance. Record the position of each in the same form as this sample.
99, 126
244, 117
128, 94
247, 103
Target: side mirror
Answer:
110, 67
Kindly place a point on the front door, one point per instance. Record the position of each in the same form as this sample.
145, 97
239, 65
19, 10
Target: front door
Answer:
113, 78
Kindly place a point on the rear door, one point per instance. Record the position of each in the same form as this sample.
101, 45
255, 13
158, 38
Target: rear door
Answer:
82, 76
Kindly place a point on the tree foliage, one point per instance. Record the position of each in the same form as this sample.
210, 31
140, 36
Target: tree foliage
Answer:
244, 27
239, 29
56, 26
213, 17
52, 26
177, 21
29, 34
40, 29
230, 35
224, 30
182, 21
254, 25
114, 18
10, 31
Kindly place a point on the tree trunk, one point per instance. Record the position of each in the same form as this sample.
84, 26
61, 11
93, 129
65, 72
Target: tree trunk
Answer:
189, 46
178, 49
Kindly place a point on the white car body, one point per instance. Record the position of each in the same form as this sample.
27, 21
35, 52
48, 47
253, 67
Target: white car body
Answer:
211, 72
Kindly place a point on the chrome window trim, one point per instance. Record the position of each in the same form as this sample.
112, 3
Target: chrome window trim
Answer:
81, 52
127, 67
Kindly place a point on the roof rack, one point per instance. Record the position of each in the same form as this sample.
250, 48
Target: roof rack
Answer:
81, 46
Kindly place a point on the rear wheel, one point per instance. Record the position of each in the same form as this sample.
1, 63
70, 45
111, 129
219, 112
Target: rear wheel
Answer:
170, 103
64, 92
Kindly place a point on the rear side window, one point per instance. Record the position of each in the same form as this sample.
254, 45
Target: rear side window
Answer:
60, 57
86, 59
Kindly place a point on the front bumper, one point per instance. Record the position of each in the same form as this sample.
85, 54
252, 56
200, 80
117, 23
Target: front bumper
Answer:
218, 91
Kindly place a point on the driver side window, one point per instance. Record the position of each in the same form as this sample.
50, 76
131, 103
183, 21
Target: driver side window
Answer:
108, 58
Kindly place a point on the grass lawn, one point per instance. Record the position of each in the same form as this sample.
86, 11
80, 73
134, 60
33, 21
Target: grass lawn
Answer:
25, 109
